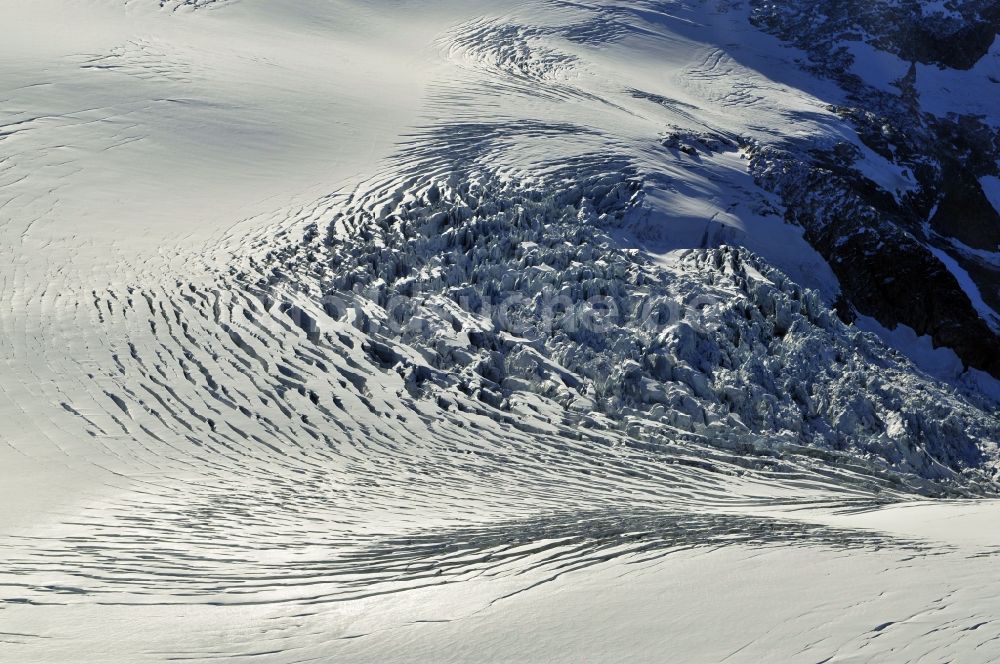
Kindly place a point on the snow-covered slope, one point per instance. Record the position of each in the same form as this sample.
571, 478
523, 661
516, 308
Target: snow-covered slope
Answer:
476, 331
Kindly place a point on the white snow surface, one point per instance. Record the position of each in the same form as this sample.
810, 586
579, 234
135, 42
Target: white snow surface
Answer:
202, 459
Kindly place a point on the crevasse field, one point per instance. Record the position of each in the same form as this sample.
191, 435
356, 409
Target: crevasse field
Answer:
459, 331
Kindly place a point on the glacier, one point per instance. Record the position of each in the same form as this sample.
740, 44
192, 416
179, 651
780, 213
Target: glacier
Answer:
499, 331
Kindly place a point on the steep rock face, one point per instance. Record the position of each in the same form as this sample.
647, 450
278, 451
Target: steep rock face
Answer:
885, 270
967, 215
911, 256
955, 34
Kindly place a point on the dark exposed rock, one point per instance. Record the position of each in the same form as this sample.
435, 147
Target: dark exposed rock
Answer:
965, 214
955, 39
879, 243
